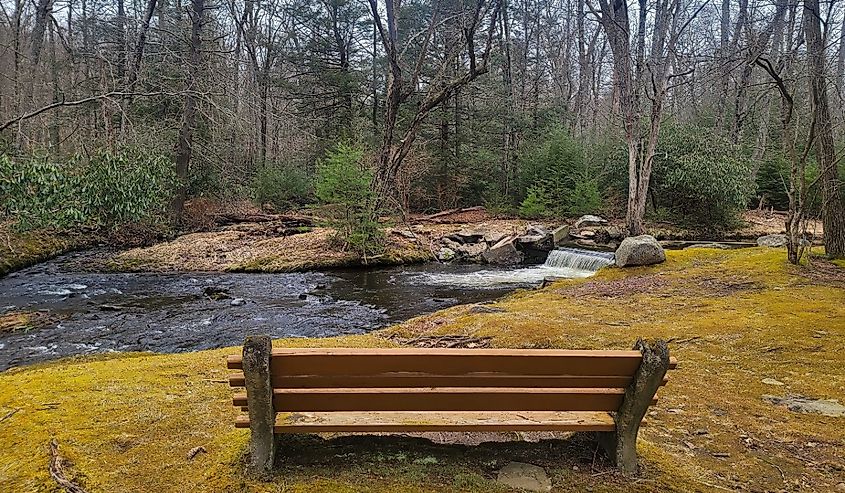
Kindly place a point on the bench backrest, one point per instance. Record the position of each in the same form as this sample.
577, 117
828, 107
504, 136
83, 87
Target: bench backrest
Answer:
445, 379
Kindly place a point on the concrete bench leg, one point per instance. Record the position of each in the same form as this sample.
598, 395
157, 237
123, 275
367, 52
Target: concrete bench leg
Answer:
259, 391
621, 445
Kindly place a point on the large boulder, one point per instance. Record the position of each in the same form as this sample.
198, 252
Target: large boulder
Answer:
503, 253
639, 250
589, 220
774, 241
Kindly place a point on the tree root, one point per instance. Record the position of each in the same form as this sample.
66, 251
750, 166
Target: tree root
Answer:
57, 470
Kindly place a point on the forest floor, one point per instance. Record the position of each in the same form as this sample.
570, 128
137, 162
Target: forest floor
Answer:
743, 324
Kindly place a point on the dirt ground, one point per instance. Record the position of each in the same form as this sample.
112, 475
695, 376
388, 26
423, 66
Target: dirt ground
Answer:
743, 324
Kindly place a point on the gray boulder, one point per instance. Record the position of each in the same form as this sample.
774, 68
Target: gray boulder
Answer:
503, 253
589, 220
773, 241
493, 237
639, 250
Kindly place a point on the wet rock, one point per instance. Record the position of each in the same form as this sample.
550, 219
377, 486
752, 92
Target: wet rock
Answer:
303, 296
560, 234
773, 241
602, 236
445, 254
525, 476
320, 286
639, 250
807, 405
215, 293
237, 302
503, 253
589, 220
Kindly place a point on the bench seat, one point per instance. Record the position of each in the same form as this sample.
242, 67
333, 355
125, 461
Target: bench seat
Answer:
426, 421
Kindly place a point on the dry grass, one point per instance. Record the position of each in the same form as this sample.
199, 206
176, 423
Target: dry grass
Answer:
733, 318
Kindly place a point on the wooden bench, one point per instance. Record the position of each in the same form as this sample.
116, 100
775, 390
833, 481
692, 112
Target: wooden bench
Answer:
422, 390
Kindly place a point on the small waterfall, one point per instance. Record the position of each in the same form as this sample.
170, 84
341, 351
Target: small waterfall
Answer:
574, 258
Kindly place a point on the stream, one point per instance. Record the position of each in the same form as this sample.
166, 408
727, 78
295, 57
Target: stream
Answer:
96, 312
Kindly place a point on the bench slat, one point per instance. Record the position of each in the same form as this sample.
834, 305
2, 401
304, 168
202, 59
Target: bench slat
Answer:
364, 362
392, 422
388, 380
444, 399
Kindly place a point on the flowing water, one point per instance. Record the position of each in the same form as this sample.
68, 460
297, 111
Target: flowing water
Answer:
94, 312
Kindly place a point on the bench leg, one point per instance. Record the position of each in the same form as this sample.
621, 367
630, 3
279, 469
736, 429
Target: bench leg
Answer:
259, 391
621, 445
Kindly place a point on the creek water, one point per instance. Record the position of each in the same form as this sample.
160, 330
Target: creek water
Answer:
95, 312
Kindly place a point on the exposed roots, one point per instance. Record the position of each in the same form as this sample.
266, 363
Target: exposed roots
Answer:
57, 470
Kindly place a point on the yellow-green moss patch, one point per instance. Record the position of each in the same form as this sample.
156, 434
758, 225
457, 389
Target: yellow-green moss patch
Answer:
733, 319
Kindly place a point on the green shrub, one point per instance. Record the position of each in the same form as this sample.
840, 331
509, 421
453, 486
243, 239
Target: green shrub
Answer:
283, 187
584, 198
702, 177
346, 186
106, 189
535, 205
559, 165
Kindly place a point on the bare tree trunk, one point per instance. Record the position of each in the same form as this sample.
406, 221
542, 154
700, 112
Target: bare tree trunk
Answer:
833, 210
184, 145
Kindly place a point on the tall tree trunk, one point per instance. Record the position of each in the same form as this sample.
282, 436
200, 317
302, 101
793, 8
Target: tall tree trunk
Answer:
184, 145
833, 209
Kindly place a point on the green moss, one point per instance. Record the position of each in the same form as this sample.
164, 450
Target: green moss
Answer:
22, 249
733, 318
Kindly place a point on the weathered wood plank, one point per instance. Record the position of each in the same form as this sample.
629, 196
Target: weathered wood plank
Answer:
388, 422
445, 399
345, 361
407, 380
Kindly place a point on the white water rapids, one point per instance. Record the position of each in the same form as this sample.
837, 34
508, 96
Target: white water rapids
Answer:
570, 263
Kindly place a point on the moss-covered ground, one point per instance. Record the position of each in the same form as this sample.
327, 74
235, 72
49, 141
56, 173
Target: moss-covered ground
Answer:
733, 319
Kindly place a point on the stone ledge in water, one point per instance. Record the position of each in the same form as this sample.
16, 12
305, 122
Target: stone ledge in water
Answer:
639, 250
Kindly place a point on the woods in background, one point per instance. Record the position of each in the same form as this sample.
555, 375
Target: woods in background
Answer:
677, 109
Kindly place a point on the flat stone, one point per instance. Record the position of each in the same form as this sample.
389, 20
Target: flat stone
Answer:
589, 220
525, 476
807, 405
493, 237
467, 236
773, 241
560, 234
